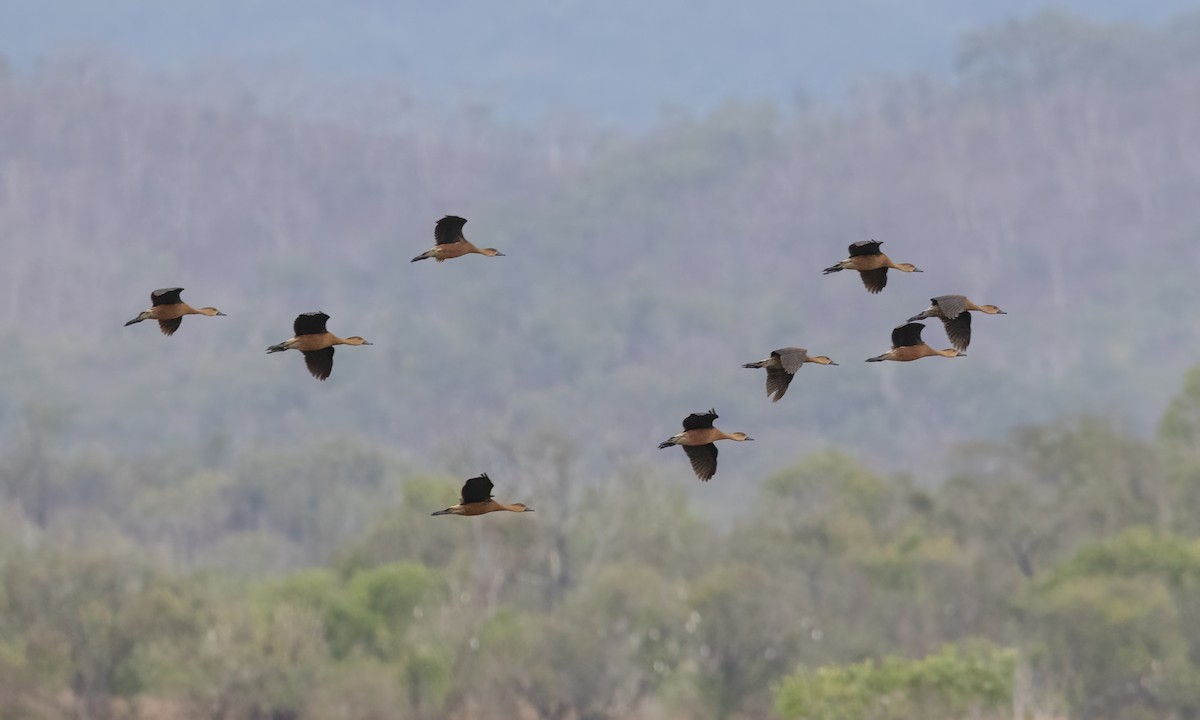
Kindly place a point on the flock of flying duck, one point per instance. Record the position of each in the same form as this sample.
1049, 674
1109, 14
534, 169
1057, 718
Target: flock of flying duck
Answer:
699, 435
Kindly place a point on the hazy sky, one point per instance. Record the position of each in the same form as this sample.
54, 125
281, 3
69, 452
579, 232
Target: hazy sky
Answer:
621, 61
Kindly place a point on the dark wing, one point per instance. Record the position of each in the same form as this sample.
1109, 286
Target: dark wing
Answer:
950, 305
319, 362
865, 247
905, 335
777, 382
704, 460
959, 331
875, 280
169, 327
695, 421
477, 489
449, 230
166, 296
312, 323
791, 358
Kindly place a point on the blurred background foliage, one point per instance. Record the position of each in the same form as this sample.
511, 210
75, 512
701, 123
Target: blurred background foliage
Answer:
194, 530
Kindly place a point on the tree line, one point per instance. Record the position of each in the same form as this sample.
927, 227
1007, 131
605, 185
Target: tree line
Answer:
192, 532
1056, 570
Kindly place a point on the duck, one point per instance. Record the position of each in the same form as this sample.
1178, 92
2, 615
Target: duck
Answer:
312, 339
872, 265
451, 242
698, 440
907, 345
476, 499
168, 309
955, 313
782, 366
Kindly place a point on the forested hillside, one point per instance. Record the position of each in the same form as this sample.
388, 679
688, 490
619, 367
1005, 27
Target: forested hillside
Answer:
1055, 574
621, 60
197, 529
641, 270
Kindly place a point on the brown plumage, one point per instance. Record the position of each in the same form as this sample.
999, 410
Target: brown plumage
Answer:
872, 264
312, 339
476, 499
698, 441
451, 243
168, 309
907, 345
782, 366
955, 313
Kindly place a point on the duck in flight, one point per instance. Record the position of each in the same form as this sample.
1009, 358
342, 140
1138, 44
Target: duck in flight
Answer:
955, 313
476, 499
907, 345
168, 309
451, 243
315, 342
698, 440
782, 366
872, 265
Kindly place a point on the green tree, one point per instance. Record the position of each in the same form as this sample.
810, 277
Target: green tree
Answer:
90, 617
600, 653
746, 632
973, 680
1046, 490
253, 662
374, 610
814, 515
32, 474
1179, 443
1110, 626
1180, 424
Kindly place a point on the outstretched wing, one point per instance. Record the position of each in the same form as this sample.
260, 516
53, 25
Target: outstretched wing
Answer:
865, 247
168, 327
791, 358
704, 460
449, 230
166, 296
907, 334
874, 280
319, 362
310, 323
477, 489
950, 305
777, 382
695, 421
959, 331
